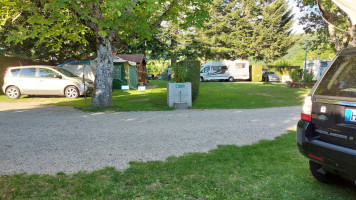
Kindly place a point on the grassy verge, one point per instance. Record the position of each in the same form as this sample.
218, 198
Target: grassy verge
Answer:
212, 95
267, 170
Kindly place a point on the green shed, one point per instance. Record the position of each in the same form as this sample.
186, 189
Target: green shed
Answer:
125, 73
120, 74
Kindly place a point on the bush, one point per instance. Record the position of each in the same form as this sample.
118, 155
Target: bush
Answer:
188, 71
308, 77
296, 75
180, 73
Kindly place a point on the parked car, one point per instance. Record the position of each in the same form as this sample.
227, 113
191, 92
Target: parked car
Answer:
43, 80
326, 133
272, 76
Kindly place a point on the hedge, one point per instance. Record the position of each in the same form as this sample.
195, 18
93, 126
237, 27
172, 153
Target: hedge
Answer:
188, 71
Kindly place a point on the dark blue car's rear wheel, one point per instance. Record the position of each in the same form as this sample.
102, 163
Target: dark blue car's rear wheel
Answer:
320, 174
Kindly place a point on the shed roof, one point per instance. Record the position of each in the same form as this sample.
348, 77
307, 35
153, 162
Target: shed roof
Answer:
137, 58
120, 60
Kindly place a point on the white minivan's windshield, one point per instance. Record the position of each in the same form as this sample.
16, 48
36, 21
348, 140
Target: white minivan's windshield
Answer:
66, 72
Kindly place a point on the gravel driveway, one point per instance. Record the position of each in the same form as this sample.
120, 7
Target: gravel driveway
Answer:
49, 139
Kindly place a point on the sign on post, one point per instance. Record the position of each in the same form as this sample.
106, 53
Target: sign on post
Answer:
180, 86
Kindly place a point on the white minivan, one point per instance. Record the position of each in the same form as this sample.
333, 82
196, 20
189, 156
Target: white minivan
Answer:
43, 80
225, 70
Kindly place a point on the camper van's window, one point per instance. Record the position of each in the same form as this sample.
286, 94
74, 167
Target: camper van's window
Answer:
240, 65
219, 69
223, 69
324, 64
205, 70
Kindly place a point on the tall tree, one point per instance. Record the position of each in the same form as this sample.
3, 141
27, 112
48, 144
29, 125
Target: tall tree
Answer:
335, 26
109, 21
247, 28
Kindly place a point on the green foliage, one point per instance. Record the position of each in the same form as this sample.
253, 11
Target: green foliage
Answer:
246, 29
180, 73
308, 76
7, 10
157, 66
296, 75
328, 54
299, 59
282, 63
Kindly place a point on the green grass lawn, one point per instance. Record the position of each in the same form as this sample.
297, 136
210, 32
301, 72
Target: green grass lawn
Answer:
212, 95
267, 170
225, 95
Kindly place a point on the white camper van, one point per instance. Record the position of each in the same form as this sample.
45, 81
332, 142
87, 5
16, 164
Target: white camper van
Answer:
225, 70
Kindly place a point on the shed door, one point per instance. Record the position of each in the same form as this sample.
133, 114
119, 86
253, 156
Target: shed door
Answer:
119, 76
132, 75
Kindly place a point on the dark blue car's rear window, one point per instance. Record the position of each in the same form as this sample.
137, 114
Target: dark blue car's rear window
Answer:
340, 79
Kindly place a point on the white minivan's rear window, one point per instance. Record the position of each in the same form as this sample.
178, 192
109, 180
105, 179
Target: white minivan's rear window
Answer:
15, 72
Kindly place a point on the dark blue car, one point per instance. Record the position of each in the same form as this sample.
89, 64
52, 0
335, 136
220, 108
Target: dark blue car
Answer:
326, 133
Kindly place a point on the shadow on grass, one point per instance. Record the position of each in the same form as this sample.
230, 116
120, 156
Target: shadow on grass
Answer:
267, 170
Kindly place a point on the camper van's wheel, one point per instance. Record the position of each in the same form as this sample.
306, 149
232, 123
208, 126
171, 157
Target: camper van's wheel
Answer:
231, 79
201, 79
71, 92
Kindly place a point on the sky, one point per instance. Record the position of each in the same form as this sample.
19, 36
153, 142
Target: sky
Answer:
296, 28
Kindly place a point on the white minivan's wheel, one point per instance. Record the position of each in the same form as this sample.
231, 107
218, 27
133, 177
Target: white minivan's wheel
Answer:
231, 79
71, 92
13, 92
201, 79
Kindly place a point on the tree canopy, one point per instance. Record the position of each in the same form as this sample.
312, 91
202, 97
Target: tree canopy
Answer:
338, 27
247, 29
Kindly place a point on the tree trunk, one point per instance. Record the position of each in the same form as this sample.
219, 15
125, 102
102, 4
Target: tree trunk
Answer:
352, 31
334, 38
102, 94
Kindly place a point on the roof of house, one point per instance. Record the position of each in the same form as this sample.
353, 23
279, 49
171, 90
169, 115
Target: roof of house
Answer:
117, 59
137, 58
